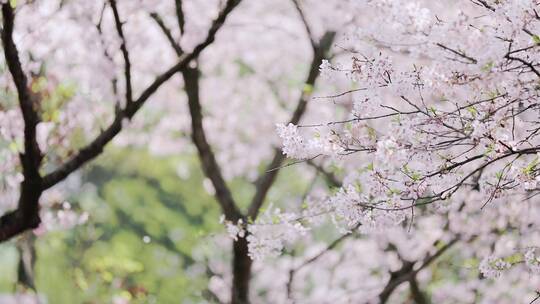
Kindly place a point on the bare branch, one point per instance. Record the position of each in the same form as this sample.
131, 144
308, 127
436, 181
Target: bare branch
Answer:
125, 52
180, 15
108, 56
305, 22
407, 271
330, 178
186, 58
331, 246
206, 155
484, 4
460, 54
525, 63
536, 298
167, 33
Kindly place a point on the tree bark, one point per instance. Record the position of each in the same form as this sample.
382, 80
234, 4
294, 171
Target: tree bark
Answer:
241, 272
417, 294
26, 216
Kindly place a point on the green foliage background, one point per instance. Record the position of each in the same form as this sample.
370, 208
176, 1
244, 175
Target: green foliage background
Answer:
138, 198
135, 197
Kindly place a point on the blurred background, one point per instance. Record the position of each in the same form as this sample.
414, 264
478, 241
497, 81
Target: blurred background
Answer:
147, 254
155, 254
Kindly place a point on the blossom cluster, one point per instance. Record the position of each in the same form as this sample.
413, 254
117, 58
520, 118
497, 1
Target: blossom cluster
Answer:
442, 124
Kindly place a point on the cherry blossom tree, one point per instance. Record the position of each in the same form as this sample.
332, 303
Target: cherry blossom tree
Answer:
440, 147
420, 140
318, 45
59, 155
41, 125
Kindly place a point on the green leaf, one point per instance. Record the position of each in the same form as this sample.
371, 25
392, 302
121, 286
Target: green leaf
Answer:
244, 69
394, 191
406, 169
308, 88
14, 147
39, 84
489, 149
530, 167
472, 110
514, 259
536, 39
371, 133
358, 187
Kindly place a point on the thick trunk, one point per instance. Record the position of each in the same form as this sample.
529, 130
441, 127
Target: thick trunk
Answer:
241, 272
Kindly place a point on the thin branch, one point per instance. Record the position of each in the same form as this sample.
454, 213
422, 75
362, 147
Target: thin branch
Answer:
484, 4
180, 18
265, 181
85, 154
330, 178
407, 271
340, 94
292, 163
460, 54
177, 48
206, 155
94, 148
125, 53
525, 63
330, 246
536, 298
108, 56
305, 22
185, 59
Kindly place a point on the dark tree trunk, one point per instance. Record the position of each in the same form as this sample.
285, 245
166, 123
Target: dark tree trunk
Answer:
241, 272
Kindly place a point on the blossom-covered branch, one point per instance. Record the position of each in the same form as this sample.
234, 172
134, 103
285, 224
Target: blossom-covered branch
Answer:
26, 216
442, 124
266, 180
96, 146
